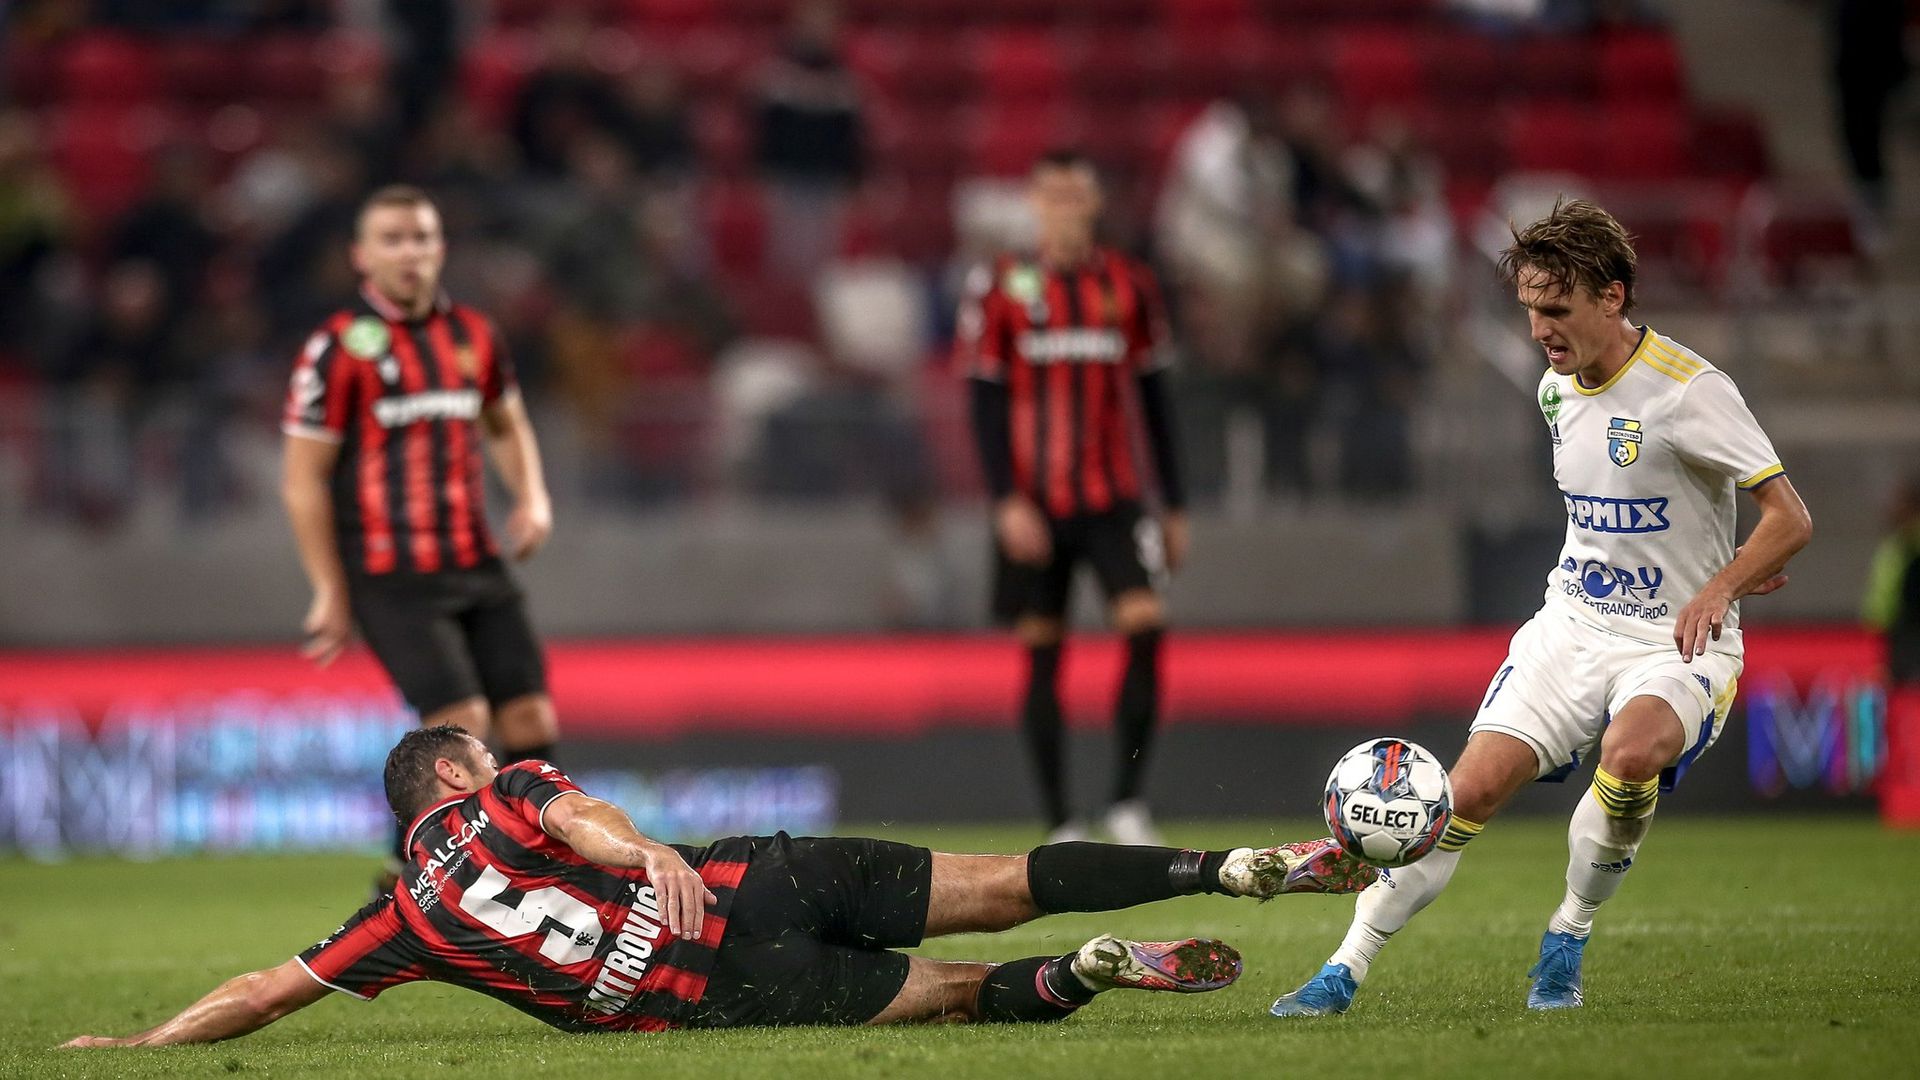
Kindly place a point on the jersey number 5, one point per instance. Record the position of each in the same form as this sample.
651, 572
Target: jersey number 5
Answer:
573, 929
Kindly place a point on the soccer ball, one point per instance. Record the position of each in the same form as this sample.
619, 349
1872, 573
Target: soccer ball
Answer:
1388, 801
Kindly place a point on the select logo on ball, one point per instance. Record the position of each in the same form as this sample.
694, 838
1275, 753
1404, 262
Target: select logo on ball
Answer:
1381, 817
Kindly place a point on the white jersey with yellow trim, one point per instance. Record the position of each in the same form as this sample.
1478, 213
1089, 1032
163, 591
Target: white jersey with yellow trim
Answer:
1650, 465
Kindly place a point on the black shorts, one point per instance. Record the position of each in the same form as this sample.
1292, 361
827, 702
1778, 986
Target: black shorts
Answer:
808, 935
450, 635
1123, 545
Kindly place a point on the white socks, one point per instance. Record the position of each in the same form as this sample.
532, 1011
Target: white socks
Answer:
1600, 848
1386, 906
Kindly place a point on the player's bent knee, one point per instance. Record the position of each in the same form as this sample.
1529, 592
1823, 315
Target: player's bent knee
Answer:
1039, 631
1492, 768
1138, 611
936, 992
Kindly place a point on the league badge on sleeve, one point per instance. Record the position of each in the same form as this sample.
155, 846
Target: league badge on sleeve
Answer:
1623, 441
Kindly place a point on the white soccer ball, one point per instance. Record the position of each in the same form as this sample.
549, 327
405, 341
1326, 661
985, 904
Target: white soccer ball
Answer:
1388, 801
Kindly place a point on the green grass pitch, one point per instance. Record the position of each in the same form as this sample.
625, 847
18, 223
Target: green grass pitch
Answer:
1749, 947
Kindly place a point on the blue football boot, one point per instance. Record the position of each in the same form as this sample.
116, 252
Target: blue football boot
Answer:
1326, 994
1556, 978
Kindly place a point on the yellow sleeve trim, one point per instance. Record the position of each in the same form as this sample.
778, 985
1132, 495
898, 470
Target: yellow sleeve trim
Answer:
1673, 356
1660, 365
1761, 477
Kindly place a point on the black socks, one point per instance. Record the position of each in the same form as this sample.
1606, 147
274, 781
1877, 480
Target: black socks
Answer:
1137, 711
1107, 877
1038, 989
1040, 719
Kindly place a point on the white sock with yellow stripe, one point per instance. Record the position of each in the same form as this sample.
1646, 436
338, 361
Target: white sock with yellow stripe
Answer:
1606, 830
1388, 904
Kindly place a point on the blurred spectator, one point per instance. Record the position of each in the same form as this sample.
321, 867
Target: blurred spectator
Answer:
1867, 42
1373, 366
812, 135
358, 115
302, 272
1892, 604
566, 99
426, 57
167, 228
102, 388
1402, 184
1244, 272
35, 220
654, 123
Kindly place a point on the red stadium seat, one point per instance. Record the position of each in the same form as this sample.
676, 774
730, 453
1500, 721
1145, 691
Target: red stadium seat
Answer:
924, 143
1643, 142
103, 153
1315, 13
107, 68
717, 63
1641, 66
1374, 67
934, 67
668, 18
1110, 64
1189, 16
285, 66
1549, 66
1464, 67
1554, 137
1006, 141
1728, 144
492, 71
1021, 65
197, 69
31, 74
1469, 148
737, 226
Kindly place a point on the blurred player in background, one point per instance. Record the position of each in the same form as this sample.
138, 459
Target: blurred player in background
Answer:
1065, 346
524, 888
391, 401
1638, 648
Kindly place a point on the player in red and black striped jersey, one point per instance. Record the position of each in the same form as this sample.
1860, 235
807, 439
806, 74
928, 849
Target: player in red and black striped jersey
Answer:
1067, 350
521, 887
392, 401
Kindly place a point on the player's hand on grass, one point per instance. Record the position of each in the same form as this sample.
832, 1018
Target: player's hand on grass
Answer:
328, 625
683, 896
93, 1042
1022, 530
1173, 532
529, 526
1700, 620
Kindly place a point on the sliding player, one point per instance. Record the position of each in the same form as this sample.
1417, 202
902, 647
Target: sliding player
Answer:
523, 888
1638, 646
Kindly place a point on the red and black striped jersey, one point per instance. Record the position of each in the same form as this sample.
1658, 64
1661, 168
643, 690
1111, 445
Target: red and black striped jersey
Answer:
403, 397
1070, 345
492, 903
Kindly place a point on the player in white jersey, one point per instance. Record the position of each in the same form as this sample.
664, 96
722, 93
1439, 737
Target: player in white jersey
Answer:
1637, 651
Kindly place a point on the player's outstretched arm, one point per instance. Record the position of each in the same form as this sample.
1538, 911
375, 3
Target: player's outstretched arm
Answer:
242, 1004
1784, 528
602, 832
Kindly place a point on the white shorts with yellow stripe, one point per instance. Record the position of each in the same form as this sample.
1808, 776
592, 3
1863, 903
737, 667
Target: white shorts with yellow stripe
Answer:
1565, 678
